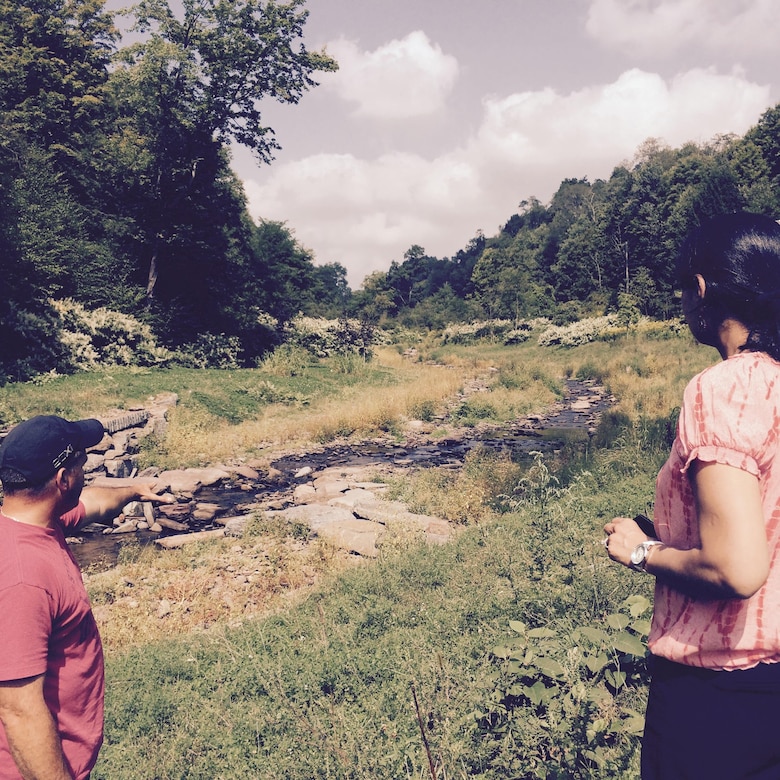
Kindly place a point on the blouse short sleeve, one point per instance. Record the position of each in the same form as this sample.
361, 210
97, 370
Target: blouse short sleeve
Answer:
730, 415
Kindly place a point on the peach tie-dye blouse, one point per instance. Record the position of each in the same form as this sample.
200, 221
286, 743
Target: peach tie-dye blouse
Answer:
730, 415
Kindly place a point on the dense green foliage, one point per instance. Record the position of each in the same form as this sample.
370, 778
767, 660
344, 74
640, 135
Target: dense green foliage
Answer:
116, 191
116, 185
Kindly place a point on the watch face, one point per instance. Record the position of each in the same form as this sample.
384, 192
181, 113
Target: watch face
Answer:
638, 554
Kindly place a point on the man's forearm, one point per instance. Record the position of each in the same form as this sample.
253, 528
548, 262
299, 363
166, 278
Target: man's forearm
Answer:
105, 503
33, 739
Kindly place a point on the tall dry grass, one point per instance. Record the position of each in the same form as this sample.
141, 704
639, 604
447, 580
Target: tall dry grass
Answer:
363, 407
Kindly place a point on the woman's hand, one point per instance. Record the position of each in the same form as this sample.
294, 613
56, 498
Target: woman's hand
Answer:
623, 535
732, 559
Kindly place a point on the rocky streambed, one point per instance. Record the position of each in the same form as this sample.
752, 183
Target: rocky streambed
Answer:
336, 490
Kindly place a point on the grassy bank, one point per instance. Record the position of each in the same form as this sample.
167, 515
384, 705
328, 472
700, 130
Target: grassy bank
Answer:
327, 688
514, 651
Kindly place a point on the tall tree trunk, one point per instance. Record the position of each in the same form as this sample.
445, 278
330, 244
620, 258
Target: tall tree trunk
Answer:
152, 279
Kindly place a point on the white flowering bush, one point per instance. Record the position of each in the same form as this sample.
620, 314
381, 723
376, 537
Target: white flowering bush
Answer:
661, 329
268, 321
469, 332
517, 336
211, 350
327, 338
103, 337
581, 332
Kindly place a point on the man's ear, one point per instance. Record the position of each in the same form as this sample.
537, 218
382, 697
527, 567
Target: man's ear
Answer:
62, 479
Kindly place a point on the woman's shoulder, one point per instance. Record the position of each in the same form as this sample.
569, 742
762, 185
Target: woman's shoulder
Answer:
742, 373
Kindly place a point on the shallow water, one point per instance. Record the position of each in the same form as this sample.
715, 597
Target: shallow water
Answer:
565, 423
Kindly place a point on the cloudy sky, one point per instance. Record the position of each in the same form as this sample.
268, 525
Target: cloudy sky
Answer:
446, 114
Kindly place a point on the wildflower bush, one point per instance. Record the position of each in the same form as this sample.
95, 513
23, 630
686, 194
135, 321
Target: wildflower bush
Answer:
327, 338
103, 337
581, 332
210, 350
568, 695
469, 332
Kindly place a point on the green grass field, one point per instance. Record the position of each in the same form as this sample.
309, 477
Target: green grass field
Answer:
515, 651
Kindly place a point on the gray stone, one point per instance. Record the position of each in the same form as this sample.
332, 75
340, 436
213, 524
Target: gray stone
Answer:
94, 462
326, 486
205, 512
314, 515
351, 498
148, 509
133, 509
235, 525
304, 494
247, 472
358, 536
118, 467
128, 526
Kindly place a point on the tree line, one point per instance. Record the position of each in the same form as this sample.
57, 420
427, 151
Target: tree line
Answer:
595, 245
116, 192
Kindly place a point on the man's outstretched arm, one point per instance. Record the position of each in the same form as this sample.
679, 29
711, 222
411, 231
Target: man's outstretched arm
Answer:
103, 503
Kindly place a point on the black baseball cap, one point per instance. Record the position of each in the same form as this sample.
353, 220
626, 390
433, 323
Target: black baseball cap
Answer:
37, 447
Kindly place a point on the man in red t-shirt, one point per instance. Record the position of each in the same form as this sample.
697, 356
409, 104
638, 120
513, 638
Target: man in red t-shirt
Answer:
51, 658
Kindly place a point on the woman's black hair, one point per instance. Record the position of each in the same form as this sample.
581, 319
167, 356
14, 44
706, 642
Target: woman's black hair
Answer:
738, 255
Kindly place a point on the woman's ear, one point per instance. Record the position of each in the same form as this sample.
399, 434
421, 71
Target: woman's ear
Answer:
701, 286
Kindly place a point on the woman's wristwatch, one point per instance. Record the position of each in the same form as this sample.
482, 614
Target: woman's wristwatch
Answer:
640, 552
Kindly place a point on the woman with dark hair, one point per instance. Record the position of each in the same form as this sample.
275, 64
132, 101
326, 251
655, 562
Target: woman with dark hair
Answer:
715, 638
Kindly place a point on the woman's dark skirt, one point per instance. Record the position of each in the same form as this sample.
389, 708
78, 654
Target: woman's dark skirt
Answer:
710, 724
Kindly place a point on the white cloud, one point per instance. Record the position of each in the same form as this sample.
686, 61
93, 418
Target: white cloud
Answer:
657, 27
609, 121
365, 213
404, 78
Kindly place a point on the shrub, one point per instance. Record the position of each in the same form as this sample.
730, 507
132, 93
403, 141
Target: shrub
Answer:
210, 350
564, 705
30, 342
581, 332
326, 338
286, 360
103, 337
468, 333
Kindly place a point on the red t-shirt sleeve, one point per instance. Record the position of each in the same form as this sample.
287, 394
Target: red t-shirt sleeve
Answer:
74, 517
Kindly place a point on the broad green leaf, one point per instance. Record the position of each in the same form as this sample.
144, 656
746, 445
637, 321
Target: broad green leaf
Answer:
641, 627
595, 635
618, 621
595, 756
550, 668
637, 605
536, 692
517, 626
615, 679
634, 724
542, 633
596, 662
599, 695
628, 643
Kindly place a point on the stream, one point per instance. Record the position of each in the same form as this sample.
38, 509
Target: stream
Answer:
572, 419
